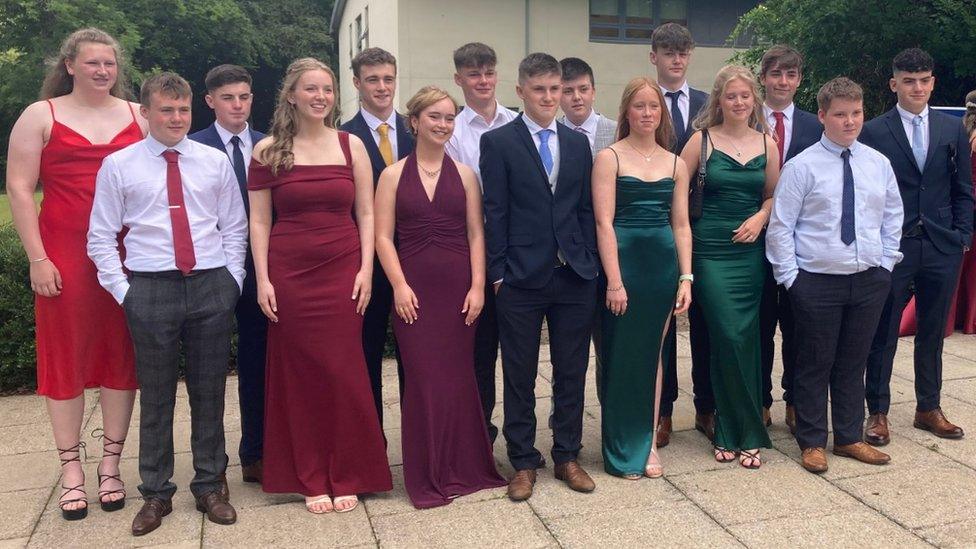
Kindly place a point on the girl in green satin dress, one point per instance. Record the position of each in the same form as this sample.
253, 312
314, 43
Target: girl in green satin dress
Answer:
742, 168
640, 201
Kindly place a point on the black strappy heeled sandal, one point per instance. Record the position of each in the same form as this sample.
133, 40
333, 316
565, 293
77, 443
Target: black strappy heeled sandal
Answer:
720, 452
81, 512
754, 460
111, 505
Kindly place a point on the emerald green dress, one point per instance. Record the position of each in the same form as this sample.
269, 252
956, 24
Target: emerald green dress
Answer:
728, 287
631, 349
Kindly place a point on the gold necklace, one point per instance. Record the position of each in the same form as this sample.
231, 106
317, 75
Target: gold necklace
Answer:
738, 153
647, 157
430, 173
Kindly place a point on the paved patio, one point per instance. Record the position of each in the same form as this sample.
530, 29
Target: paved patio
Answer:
923, 498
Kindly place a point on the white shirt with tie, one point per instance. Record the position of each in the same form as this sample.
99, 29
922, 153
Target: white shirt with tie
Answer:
553, 142
587, 128
907, 122
246, 146
374, 123
768, 112
469, 126
684, 101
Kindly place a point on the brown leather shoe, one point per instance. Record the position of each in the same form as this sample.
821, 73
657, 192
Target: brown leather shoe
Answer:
876, 433
790, 418
705, 424
150, 516
663, 431
253, 472
862, 452
814, 460
217, 508
936, 422
767, 419
520, 487
574, 476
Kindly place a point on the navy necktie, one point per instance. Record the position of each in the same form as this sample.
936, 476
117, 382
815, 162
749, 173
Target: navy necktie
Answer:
847, 201
677, 120
240, 170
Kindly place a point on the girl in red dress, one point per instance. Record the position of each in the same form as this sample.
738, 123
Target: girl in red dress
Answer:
82, 339
314, 269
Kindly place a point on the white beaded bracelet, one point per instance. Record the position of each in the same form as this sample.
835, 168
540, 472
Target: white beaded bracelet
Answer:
689, 277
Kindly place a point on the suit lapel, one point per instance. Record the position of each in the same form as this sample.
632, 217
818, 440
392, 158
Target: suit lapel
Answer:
361, 129
694, 105
404, 138
564, 156
897, 130
523, 132
935, 129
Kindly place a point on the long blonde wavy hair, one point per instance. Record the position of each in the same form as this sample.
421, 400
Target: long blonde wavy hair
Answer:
664, 134
284, 124
711, 113
58, 82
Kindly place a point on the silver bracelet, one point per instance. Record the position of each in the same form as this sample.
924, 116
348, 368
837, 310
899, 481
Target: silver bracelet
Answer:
38, 260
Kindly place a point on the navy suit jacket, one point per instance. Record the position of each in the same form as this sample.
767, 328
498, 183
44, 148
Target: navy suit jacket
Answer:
940, 196
696, 101
525, 222
358, 127
806, 131
209, 136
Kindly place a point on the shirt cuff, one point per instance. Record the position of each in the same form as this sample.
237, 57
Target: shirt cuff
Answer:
790, 279
119, 290
499, 281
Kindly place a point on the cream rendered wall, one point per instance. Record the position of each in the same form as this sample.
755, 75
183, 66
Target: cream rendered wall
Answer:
383, 33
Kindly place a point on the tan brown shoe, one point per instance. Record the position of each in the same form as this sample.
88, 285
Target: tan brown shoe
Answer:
574, 476
664, 431
253, 472
520, 487
217, 508
705, 424
935, 422
876, 433
150, 516
767, 419
790, 418
862, 452
814, 460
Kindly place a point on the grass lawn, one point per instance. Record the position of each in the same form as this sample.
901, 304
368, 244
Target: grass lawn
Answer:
5, 206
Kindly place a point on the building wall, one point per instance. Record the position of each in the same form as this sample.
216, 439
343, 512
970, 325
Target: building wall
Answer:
424, 33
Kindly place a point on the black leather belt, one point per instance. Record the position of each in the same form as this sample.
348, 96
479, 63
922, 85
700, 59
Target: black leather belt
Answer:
914, 232
171, 274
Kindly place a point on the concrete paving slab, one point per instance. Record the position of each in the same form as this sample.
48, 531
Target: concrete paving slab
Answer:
905, 454
290, 525
396, 501
958, 534
20, 511
962, 450
861, 528
17, 543
961, 389
25, 471
961, 345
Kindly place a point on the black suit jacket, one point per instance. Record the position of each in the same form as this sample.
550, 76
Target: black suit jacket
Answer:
525, 222
209, 136
358, 127
940, 196
806, 131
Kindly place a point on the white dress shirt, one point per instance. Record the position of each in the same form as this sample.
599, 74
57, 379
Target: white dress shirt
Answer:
374, 124
246, 146
553, 142
684, 101
587, 128
469, 126
787, 124
906, 122
130, 191
804, 229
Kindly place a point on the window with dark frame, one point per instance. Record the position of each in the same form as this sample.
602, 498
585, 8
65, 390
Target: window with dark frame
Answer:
633, 20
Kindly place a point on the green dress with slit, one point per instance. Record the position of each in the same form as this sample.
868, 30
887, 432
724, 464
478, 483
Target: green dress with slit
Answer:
728, 287
631, 347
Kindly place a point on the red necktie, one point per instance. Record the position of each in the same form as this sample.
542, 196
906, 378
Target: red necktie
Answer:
780, 136
182, 241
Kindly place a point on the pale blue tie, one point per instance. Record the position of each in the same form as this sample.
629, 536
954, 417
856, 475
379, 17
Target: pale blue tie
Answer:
544, 151
918, 142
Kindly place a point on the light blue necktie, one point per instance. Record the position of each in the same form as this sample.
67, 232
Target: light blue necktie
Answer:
918, 142
544, 151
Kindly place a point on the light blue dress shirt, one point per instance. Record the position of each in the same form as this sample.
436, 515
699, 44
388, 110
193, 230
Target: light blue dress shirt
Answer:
804, 229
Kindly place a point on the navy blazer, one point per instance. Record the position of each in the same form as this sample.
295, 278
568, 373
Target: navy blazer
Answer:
358, 127
940, 196
525, 222
696, 101
209, 136
806, 131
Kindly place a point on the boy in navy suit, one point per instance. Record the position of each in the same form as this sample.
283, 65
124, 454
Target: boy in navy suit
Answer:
542, 261
929, 152
229, 95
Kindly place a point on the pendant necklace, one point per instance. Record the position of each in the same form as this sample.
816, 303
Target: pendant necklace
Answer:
647, 157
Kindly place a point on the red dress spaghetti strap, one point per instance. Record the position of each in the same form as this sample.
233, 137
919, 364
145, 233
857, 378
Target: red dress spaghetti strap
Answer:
82, 338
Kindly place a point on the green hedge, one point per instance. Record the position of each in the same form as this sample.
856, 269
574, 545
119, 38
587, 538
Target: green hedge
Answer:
16, 316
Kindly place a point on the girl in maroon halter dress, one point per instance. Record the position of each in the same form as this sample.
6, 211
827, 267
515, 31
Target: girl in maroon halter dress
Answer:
439, 244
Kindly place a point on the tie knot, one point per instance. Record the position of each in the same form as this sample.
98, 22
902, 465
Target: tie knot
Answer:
235, 140
845, 154
778, 116
544, 135
580, 129
171, 156
383, 129
674, 94
917, 121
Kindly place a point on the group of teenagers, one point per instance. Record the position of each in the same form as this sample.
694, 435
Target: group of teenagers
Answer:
467, 229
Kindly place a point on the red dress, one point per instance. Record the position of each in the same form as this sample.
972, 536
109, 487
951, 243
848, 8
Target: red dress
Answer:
962, 314
321, 431
82, 338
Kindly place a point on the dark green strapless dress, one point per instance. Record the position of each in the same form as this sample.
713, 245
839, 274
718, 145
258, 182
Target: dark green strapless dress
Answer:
631, 347
728, 286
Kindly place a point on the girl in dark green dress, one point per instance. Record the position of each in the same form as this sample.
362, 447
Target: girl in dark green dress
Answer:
742, 170
640, 201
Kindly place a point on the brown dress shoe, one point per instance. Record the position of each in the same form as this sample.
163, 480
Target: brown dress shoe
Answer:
520, 487
150, 516
936, 422
217, 508
790, 418
814, 460
663, 431
767, 419
574, 476
876, 433
705, 424
862, 452
252, 472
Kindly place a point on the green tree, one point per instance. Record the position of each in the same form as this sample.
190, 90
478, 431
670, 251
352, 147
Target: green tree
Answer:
859, 38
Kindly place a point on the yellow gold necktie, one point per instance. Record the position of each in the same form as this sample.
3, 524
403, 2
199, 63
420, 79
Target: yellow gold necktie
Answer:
386, 148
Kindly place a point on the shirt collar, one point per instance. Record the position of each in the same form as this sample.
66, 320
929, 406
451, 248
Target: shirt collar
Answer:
685, 89
589, 124
535, 128
836, 149
373, 122
787, 112
908, 117
226, 135
469, 115
156, 148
